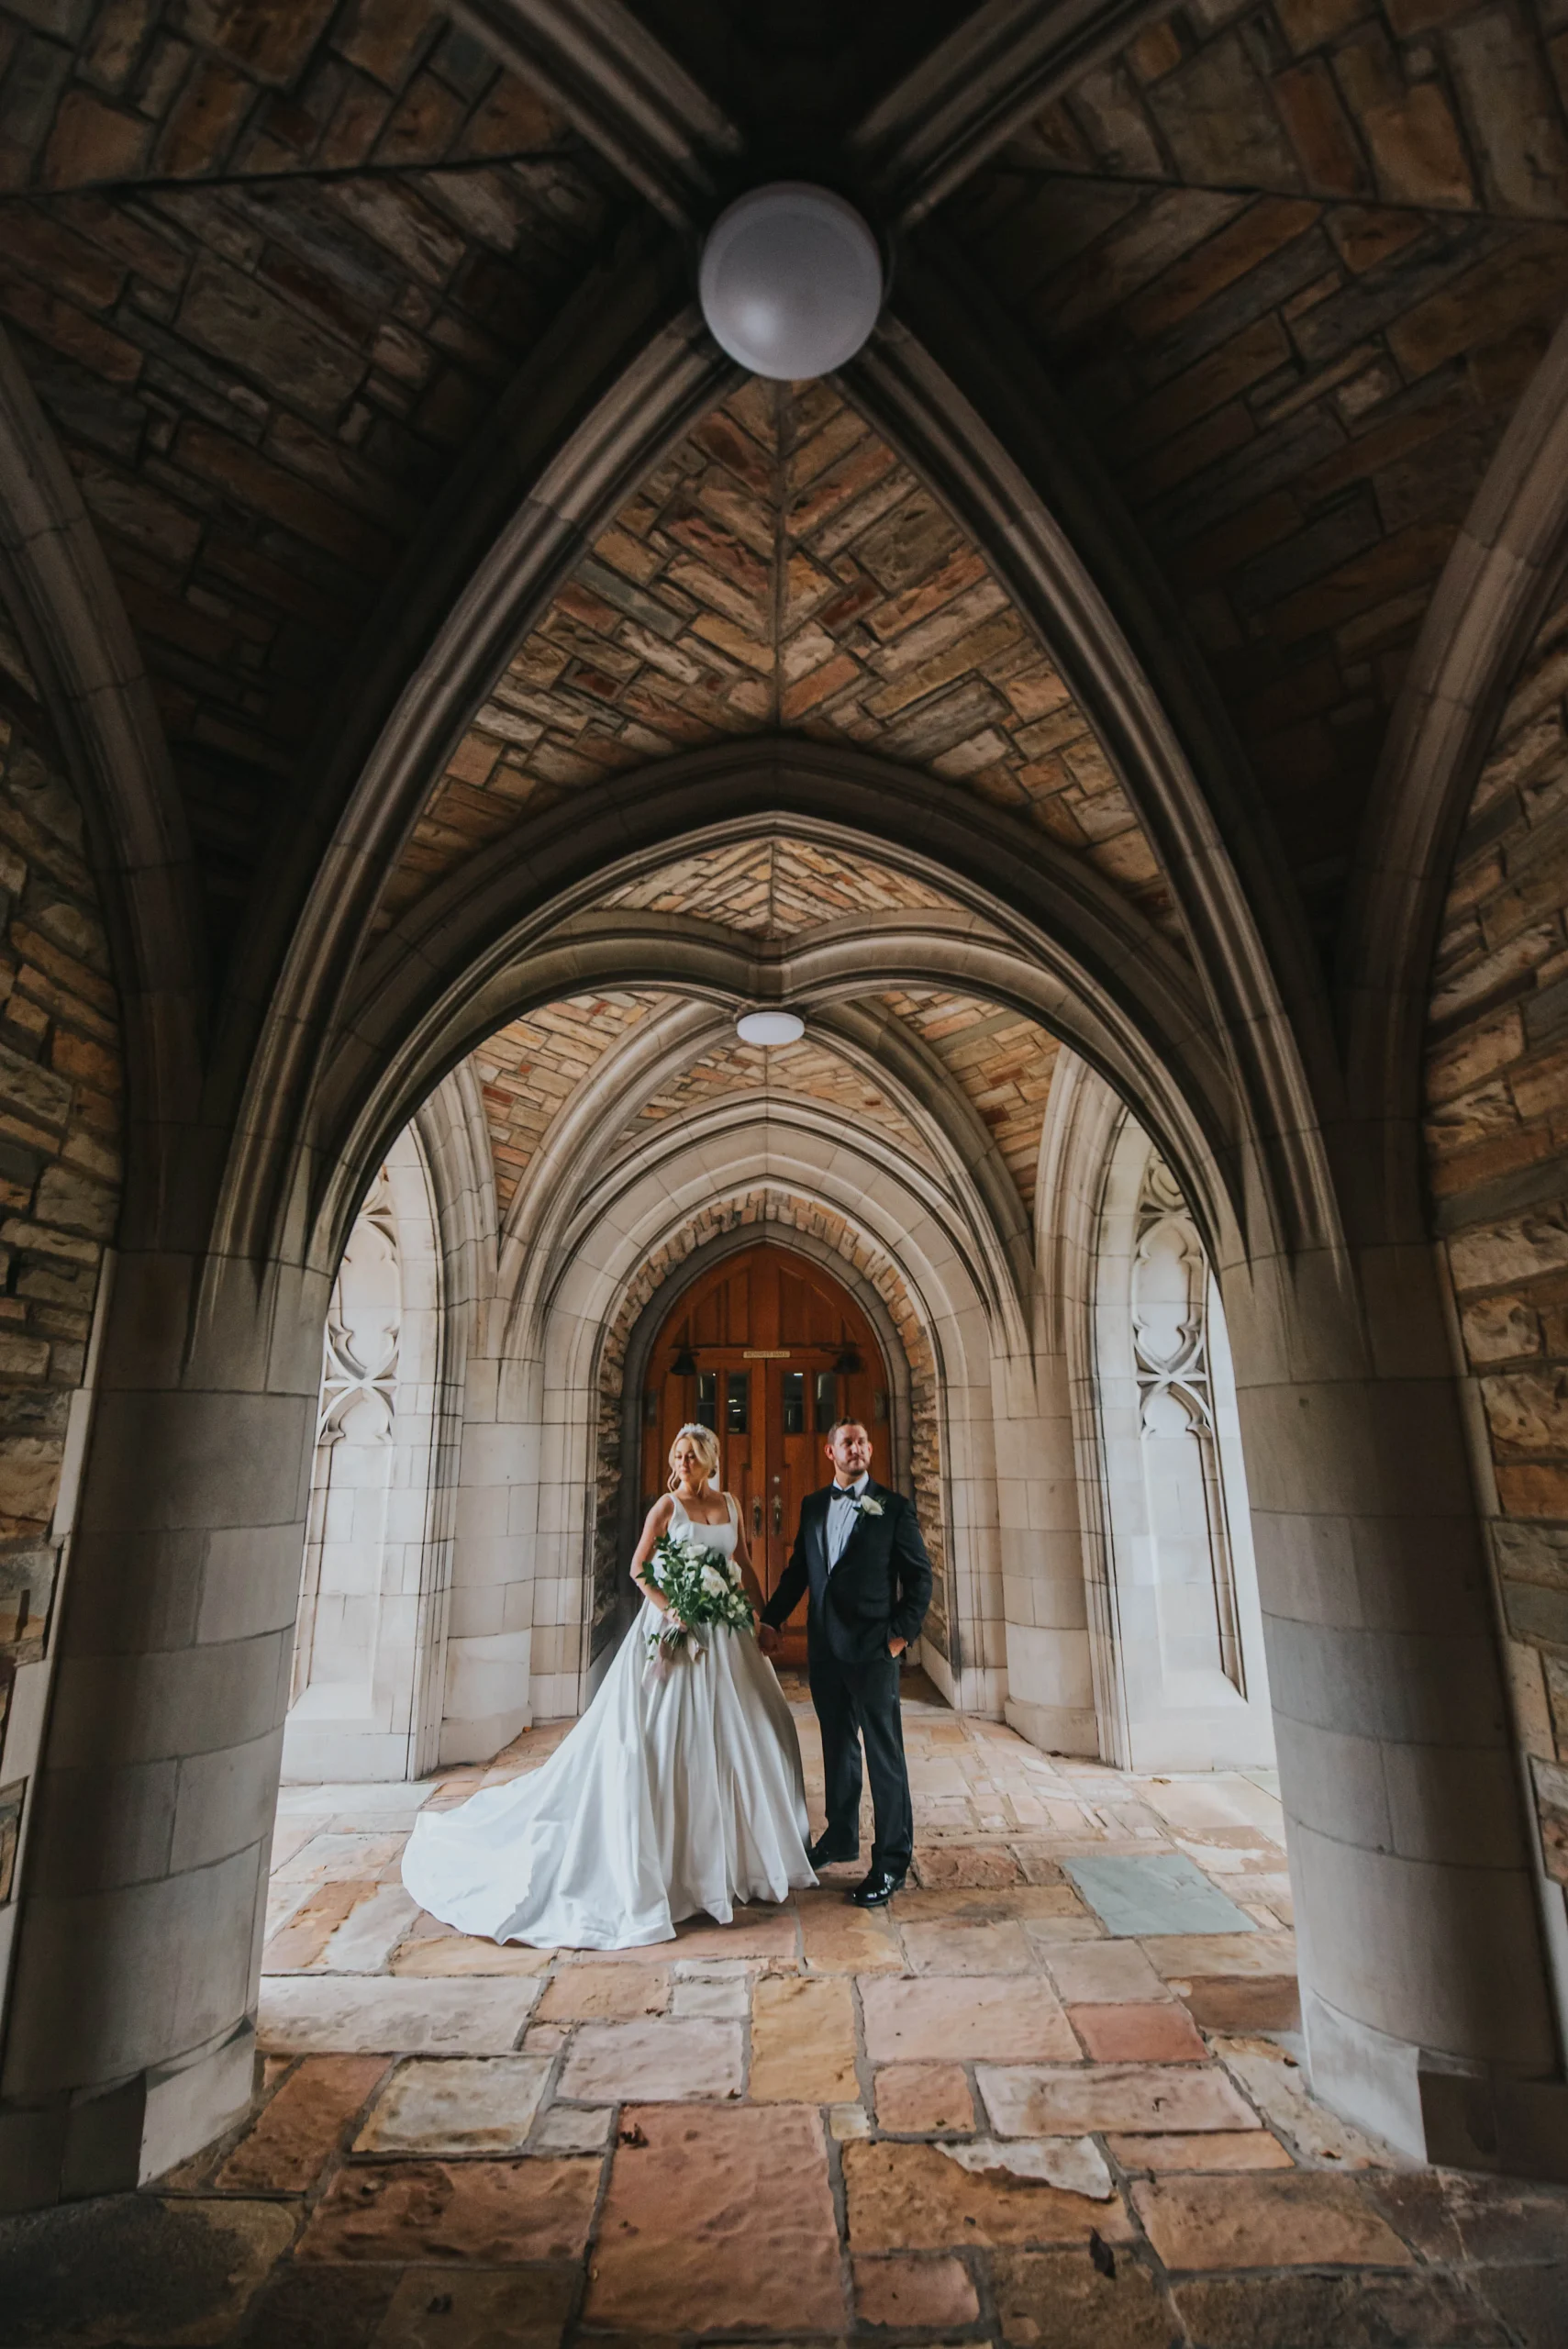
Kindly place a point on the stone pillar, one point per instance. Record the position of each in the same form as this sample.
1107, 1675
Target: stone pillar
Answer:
1425, 1988
130, 2038
492, 1644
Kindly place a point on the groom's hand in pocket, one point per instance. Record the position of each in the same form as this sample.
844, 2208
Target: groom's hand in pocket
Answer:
896, 1646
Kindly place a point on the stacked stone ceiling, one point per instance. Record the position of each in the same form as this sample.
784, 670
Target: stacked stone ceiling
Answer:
1002, 1060
1294, 263
261, 383
808, 1070
775, 886
782, 570
530, 1071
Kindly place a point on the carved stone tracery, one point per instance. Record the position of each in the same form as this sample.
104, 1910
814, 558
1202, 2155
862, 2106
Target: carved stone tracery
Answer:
358, 1375
1171, 1355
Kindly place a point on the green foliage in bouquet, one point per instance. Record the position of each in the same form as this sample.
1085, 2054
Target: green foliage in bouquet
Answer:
701, 1587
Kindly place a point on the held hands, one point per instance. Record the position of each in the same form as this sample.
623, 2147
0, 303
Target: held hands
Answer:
768, 1640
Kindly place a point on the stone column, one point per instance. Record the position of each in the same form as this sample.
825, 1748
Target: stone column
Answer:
1425, 1988
129, 2038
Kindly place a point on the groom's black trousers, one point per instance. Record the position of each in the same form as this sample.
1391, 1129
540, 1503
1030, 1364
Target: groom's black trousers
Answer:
856, 1703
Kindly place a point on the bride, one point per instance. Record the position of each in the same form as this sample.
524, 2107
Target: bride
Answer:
674, 1795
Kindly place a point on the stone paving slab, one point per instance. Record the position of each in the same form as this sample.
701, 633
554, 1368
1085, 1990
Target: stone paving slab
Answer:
914, 2292
496, 2213
1365, 2311
968, 2018
724, 2221
455, 1954
1156, 1892
1218, 2149
924, 2099
372, 1931
478, 2308
803, 2041
465, 2104
1098, 1973
1041, 2100
1061, 2298
1177, 1956
664, 2057
913, 2197
604, 1994
956, 1946
1237, 2005
307, 2117
1300, 2218
350, 1852
306, 2014
1127, 2033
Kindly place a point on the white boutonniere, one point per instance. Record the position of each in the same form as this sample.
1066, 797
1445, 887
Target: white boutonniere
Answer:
867, 1507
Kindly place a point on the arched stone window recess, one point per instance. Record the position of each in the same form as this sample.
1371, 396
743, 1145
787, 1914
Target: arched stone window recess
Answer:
369, 1660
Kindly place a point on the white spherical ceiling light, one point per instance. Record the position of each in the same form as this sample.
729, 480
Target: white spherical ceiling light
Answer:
791, 281
769, 1028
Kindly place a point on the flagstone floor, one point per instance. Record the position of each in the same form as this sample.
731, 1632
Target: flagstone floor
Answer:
1052, 2098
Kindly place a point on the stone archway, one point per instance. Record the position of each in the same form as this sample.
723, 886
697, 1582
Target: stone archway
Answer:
872, 1275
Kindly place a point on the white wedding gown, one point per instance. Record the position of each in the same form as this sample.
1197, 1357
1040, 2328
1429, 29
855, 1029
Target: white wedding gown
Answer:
670, 1797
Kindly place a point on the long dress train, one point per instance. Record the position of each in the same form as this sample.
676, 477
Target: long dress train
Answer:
670, 1797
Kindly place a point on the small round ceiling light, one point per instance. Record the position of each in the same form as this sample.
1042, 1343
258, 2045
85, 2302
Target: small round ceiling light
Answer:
769, 1028
791, 281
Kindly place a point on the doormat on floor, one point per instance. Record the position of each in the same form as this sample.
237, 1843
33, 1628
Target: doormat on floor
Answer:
1160, 1892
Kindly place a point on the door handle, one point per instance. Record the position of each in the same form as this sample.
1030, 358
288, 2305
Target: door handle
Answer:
757, 1515
778, 1514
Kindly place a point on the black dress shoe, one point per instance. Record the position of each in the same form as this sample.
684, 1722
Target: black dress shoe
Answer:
821, 1856
877, 1889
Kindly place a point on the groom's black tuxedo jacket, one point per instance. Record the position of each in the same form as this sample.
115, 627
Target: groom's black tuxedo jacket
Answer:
880, 1588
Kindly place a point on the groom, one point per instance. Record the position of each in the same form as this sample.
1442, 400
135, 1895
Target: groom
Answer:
858, 1549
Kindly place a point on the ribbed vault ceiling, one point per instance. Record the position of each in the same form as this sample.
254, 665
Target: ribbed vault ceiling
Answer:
274, 269
531, 1071
1294, 265
808, 1070
994, 1061
775, 887
782, 571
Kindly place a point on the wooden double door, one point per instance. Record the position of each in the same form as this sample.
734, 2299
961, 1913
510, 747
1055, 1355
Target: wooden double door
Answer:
768, 1350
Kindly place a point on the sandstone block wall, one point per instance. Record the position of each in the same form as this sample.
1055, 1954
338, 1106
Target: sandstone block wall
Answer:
1498, 1132
61, 1086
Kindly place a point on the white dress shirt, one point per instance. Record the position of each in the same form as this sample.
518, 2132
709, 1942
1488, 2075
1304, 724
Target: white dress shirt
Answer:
841, 1517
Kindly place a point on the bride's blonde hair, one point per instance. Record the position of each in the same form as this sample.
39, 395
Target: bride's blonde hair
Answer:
703, 1442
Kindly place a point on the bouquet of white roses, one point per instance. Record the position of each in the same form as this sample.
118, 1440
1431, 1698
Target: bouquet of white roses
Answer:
700, 1587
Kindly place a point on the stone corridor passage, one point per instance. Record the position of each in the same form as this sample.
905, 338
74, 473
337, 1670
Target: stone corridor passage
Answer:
1051, 2098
